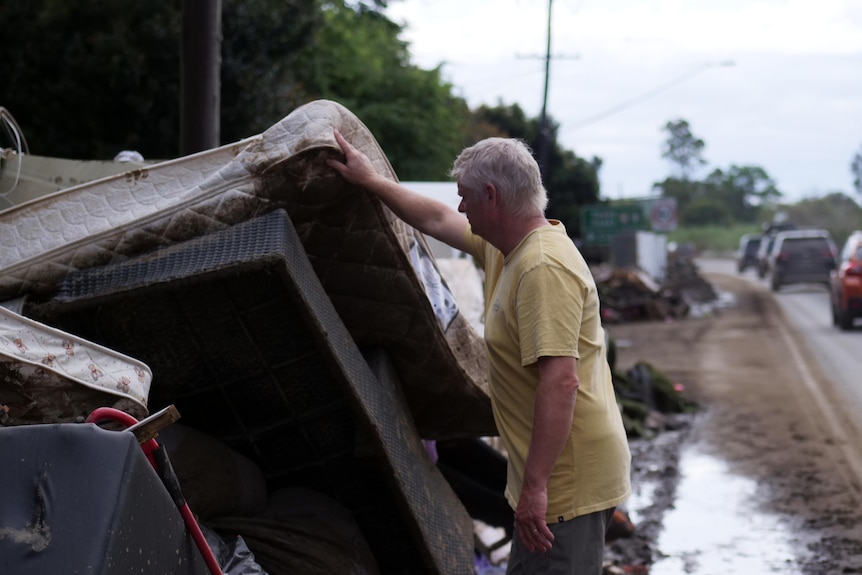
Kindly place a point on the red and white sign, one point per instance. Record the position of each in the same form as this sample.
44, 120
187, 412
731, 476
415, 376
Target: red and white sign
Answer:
663, 215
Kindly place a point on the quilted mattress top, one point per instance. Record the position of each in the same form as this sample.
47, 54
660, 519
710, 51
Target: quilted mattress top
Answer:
378, 271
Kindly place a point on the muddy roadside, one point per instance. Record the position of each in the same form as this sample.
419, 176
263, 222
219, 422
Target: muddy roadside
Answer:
774, 494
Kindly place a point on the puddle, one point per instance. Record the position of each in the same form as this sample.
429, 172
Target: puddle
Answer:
714, 528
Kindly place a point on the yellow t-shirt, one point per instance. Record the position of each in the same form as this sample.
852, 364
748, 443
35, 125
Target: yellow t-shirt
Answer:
541, 300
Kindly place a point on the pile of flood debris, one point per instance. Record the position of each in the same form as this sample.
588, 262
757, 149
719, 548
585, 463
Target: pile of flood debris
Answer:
649, 401
629, 294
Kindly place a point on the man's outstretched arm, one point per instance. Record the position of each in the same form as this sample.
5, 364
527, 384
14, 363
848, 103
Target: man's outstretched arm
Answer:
427, 215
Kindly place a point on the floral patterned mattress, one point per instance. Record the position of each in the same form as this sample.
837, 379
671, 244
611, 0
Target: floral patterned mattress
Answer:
47, 375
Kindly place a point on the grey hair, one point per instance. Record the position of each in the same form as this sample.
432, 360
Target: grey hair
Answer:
508, 164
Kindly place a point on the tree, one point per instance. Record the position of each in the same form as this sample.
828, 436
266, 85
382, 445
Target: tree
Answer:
742, 190
680, 190
682, 148
261, 50
836, 212
358, 59
706, 211
856, 170
90, 78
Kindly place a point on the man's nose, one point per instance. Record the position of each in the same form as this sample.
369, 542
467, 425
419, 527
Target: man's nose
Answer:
461, 207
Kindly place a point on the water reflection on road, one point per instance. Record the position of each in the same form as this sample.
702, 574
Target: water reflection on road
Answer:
714, 528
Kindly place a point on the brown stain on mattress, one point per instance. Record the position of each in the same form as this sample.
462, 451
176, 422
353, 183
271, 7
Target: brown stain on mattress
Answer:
136, 175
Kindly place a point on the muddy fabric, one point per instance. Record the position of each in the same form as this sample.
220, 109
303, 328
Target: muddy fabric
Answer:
216, 480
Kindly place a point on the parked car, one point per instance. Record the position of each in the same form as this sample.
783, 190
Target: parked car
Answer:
767, 239
746, 255
846, 283
762, 258
801, 256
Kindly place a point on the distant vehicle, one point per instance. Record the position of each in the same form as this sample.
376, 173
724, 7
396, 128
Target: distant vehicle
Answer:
801, 256
770, 230
762, 262
746, 255
846, 283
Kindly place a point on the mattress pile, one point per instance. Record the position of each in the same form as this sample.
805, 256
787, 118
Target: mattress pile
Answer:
359, 250
285, 312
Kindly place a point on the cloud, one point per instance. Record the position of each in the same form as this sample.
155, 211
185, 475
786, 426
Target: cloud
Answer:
792, 103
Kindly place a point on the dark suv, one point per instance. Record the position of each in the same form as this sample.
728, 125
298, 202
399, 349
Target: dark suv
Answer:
770, 230
746, 255
801, 256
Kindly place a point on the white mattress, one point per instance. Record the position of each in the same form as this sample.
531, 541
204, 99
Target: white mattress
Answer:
366, 258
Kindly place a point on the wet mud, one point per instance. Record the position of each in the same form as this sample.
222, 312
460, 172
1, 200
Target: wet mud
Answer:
751, 483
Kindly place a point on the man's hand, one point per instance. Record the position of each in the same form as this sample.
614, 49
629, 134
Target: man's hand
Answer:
356, 167
530, 523
428, 215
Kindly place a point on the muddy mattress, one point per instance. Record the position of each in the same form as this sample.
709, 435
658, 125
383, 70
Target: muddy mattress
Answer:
378, 272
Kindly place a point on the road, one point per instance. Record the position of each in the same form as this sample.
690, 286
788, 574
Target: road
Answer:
839, 353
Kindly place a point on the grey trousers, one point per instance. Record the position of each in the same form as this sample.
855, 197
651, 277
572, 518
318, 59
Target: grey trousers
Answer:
578, 549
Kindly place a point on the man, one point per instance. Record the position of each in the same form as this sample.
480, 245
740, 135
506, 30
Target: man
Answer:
550, 382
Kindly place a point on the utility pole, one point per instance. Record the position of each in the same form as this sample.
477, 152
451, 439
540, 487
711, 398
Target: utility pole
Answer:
200, 72
544, 132
543, 141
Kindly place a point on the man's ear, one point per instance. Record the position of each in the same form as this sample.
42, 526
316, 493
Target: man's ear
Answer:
490, 194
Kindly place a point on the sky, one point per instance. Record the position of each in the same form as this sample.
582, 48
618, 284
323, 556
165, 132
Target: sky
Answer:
769, 83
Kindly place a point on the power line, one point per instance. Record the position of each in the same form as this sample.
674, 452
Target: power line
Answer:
648, 95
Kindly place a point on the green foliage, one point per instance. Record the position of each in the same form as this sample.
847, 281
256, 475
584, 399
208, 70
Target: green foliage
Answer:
683, 191
838, 213
742, 190
261, 52
90, 78
740, 194
86, 79
705, 211
712, 237
357, 59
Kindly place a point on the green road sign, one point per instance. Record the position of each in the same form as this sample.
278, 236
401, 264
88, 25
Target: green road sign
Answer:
600, 223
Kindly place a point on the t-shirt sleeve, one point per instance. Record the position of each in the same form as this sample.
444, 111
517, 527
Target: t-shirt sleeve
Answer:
550, 307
